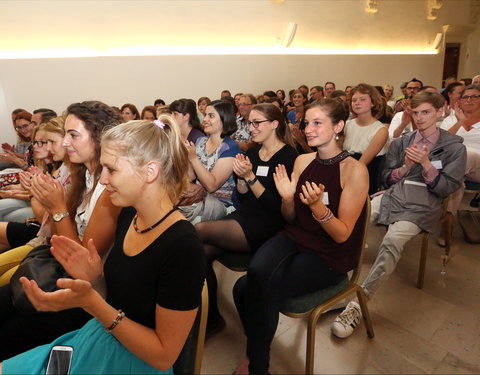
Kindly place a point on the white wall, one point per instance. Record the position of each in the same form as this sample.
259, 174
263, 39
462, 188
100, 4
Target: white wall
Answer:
55, 83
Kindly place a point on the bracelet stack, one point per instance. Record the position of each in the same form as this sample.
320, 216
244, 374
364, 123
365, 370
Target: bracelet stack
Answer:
116, 321
325, 218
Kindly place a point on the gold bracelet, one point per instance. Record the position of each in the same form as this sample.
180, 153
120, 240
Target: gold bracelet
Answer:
116, 321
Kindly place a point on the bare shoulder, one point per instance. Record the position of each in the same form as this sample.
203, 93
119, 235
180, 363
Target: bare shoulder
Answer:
303, 160
352, 171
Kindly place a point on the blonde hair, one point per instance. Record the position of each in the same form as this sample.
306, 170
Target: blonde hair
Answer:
141, 141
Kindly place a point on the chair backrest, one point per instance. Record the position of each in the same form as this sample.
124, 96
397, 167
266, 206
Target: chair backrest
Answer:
190, 359
359, 260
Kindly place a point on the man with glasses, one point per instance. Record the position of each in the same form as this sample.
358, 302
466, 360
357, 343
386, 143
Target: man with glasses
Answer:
402, 121
242, 135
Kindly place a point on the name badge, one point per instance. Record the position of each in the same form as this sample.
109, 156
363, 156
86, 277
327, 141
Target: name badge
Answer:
325, 198
437, 164
262, 170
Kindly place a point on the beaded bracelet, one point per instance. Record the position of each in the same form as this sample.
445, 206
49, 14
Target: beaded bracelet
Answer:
116, 321
326, 217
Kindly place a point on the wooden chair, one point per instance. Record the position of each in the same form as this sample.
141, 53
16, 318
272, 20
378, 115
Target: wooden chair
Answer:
313, 305
190, 359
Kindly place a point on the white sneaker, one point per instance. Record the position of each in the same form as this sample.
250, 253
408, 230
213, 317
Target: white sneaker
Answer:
344, 324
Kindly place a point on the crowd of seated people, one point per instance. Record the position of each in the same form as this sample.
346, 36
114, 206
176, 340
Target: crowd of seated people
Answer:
131, 202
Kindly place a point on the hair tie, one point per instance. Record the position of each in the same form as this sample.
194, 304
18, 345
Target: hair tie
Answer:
159, 123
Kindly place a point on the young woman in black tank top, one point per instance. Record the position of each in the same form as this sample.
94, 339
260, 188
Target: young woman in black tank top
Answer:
324, 205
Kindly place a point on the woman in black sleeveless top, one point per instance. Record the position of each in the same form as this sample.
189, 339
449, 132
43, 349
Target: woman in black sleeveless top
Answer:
324, 205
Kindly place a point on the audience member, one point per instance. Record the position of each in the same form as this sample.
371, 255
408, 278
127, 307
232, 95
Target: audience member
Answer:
158, 103
316, 93
258, 218
184, 112
329, 88
422, 168
225, 93
211, 163
152, 309
467, 126
242, 134
202, 104
129, 112
149, 113
85, 213
366, 137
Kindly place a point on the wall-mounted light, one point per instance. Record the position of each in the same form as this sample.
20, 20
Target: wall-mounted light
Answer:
289, 35
437, 41
372, 6
432, 8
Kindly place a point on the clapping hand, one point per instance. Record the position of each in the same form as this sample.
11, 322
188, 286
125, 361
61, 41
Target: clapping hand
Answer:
49, 192
72, 293
80, 262
192, 151
242, 166
311, 193
286, 187
415, 155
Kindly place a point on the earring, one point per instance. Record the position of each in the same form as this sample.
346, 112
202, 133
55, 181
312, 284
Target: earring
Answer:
337, 137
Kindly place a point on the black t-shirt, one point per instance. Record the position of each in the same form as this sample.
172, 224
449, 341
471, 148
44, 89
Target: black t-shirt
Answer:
169, 272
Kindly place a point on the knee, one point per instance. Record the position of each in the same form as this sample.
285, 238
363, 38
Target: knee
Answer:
201, 229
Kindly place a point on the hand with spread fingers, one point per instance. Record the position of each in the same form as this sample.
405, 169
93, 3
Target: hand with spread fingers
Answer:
80, 262
72, 293
286, 187
311, 193
416, 155
25, 178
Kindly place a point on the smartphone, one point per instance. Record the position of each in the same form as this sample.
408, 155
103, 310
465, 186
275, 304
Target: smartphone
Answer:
60, 360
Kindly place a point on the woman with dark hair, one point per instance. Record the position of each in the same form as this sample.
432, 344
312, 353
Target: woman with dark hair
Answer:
258, 218
184, 112
324, 204
129, 112
83, 213
365, 136
149, 113
281, 95
211, 163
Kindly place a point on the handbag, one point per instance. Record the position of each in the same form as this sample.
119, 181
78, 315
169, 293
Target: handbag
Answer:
39, 265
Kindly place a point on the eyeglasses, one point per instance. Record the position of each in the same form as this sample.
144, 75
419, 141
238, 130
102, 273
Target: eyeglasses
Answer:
256, 124
413, 88
23, 127
40, 143
472, 97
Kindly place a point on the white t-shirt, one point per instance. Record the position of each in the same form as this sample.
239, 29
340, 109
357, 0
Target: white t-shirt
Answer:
358, 138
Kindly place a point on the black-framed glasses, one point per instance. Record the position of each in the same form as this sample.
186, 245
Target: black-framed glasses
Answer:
470, 97
255, 123
40, 143
23, 127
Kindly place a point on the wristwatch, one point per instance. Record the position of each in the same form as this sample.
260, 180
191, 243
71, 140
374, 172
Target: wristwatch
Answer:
59, 216
252, 181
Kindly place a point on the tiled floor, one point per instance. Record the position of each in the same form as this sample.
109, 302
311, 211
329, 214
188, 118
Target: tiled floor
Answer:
435, 330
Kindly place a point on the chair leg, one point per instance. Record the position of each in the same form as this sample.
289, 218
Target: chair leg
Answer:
365, 313
423, 260
310, 352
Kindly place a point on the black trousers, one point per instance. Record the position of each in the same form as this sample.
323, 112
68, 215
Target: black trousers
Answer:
278, 271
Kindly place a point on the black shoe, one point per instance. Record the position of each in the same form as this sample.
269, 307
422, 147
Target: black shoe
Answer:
214, 327
475, 202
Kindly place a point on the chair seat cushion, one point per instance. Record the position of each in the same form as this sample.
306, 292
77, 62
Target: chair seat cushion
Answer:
307, 302
470, 185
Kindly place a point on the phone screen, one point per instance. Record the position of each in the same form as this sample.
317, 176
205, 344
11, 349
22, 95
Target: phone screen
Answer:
59, 361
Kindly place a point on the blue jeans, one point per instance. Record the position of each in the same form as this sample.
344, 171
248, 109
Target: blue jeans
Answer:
16, 210
278, 271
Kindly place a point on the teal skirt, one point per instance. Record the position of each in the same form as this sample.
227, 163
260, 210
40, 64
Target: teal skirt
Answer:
94, 352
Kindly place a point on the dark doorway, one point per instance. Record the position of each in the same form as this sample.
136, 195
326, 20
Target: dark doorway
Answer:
450, 64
